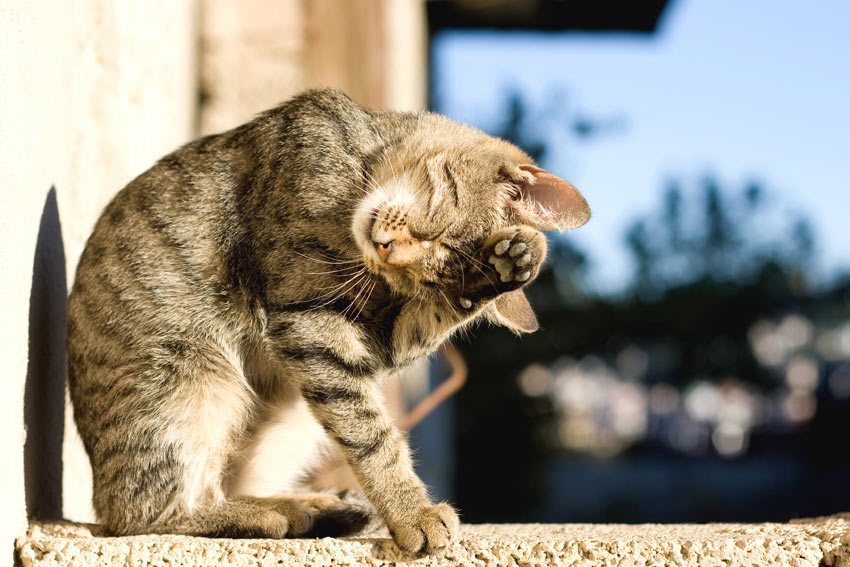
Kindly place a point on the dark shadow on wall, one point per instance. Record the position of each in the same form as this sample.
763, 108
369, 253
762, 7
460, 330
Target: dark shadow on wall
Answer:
44, 398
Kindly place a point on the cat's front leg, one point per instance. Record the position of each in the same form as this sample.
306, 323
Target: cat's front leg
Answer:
508, 260
349, 407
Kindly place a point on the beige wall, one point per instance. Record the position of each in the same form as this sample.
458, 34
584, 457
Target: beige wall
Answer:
94, 91
257, 53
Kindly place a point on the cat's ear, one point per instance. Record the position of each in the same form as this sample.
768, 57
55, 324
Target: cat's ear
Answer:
547, 202
512, 310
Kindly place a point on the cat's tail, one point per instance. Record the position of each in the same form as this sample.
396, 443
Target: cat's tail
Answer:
356, 516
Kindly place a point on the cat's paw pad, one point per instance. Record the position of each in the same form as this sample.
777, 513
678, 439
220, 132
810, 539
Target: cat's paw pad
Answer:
432, 528
516, 254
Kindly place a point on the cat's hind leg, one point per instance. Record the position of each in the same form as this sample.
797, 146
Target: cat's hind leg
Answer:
160, 433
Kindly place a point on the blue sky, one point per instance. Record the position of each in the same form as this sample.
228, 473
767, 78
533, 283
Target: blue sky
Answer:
752, 89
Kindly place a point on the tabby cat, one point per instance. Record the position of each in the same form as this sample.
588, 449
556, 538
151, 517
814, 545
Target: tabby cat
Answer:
250, 292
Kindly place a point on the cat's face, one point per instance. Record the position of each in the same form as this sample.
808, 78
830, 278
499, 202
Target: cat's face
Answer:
430, 204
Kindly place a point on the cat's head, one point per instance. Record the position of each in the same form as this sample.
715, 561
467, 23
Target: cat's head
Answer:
433, 197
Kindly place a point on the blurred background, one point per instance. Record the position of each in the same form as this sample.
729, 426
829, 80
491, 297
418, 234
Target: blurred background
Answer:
694, 357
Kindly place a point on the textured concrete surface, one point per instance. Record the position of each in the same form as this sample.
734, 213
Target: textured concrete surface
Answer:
819, 542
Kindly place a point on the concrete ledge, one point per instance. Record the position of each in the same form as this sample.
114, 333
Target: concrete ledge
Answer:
818, 542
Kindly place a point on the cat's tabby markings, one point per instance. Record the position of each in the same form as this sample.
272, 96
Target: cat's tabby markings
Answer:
247, 295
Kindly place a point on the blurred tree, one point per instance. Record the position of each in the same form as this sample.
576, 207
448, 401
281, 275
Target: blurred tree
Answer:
734, 241
709, 262
515, 130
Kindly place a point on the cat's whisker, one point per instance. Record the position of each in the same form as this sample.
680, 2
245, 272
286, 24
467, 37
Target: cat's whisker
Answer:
345, 275
366, 299
416, 297
355, 199
356, 297
369, 177
358, 187
359, 286
390, 163
449, 303
348, 285
335, 288
320, 261
336, 261
478, 264
336, 285
328, 255
338, 271
462, 275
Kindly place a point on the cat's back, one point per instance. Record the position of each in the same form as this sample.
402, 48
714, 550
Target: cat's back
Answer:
173, 261
155, 235
150, 280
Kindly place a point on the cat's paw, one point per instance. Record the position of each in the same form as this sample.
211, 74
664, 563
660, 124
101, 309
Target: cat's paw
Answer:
516, 254
297, 519
273, 518
510, 259
430, 529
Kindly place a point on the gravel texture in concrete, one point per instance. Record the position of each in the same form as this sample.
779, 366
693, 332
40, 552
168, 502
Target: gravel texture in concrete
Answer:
817, 542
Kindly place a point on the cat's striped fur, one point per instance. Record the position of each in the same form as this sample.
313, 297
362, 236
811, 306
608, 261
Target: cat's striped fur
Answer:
253, 288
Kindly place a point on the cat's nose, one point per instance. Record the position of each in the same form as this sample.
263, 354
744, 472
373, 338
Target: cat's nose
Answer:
384, 249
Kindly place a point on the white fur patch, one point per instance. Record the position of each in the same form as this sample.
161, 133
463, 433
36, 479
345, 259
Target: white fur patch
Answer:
287, 446
203, 420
